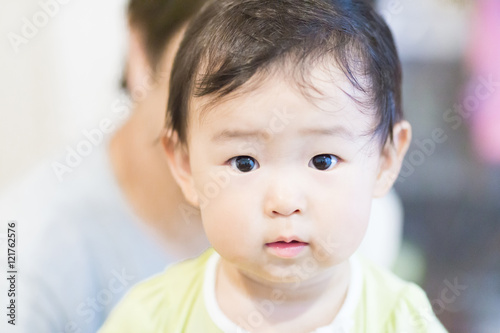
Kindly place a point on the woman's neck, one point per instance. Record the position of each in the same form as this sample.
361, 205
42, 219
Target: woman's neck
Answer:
144, 177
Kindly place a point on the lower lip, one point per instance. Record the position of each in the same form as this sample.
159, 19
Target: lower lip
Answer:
286, 250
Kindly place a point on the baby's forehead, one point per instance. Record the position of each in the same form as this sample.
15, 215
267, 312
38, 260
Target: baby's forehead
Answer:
276, 106
324, 86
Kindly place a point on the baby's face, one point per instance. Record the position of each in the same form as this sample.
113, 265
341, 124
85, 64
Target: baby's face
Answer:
284, 184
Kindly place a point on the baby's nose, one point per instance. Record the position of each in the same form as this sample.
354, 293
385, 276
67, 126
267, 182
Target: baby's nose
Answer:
285, 197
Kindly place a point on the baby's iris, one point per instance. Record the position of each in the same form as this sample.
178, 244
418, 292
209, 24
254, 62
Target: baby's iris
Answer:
243, 163
324, 161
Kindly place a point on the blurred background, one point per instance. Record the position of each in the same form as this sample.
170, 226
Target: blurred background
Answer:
60, 74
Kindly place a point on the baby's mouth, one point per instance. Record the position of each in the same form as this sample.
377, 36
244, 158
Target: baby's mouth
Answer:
286, 249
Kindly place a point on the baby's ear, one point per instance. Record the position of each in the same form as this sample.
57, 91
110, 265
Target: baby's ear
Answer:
392, 157
178, 161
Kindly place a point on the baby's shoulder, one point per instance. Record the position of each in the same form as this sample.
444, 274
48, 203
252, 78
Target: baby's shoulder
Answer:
152, 303
394, 305
176, 279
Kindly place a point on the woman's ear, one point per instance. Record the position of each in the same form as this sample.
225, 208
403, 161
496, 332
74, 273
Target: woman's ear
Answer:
392, 157
178, 161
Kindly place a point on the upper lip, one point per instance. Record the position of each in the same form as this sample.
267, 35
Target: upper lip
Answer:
287, 239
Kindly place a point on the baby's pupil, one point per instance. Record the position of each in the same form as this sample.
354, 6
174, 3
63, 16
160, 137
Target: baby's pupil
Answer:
322, 162
245, 163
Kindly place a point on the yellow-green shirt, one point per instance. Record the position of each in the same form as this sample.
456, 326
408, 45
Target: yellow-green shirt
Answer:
182, 299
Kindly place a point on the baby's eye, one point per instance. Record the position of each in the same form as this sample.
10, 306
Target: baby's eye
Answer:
324, 161
243, 163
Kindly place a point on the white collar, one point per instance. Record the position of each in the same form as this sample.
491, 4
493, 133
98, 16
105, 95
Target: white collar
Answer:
343, 322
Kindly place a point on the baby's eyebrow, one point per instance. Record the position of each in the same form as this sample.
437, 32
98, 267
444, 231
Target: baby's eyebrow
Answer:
226, 135
328, 131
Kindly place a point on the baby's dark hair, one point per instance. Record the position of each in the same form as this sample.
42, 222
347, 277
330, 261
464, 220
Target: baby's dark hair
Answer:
230, 41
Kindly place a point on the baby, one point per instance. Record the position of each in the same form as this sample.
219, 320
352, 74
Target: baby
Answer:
284, 122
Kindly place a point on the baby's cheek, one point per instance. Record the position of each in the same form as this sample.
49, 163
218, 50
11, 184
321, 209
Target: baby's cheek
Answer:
334, 248
225, 220
341, 231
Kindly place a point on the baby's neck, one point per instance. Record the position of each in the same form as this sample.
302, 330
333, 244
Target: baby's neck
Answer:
284, 307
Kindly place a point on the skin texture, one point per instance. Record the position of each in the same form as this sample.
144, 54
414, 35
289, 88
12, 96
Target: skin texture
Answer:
284, 197
138, 159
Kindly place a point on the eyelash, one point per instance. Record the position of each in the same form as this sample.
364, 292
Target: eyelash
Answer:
334, 160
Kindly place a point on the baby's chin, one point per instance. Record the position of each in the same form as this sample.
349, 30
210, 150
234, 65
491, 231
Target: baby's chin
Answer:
287, 274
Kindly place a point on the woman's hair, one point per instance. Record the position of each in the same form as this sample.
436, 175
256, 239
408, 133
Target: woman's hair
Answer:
231, 41
159, 20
